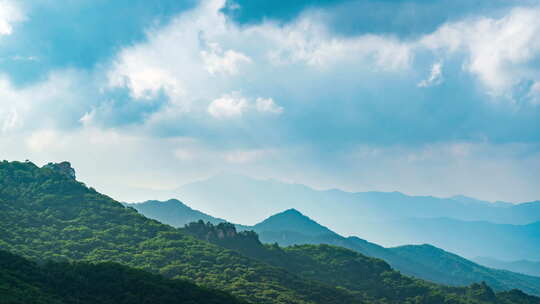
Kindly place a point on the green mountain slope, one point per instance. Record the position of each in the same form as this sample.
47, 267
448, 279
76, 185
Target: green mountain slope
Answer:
46, 215
458, 270
369, 278
22, 281
424, 261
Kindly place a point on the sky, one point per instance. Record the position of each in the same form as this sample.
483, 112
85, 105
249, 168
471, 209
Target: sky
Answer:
427, 98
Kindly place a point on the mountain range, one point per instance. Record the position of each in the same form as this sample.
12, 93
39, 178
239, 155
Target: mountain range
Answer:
458, 224
422, 261
522, 266
46, 216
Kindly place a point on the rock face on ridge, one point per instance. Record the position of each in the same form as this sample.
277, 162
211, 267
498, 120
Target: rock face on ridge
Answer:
63, 167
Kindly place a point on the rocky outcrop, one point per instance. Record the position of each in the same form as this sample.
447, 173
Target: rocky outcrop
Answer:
63, 167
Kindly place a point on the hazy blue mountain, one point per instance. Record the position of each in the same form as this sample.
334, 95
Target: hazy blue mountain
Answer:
422, 261
469, 239
521, 266
291, 227
388, 218
292, 220
172, 212
458, 270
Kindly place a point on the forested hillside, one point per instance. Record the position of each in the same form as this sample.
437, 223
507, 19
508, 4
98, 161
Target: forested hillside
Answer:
23, 282
371, 279
294, 228
46, 214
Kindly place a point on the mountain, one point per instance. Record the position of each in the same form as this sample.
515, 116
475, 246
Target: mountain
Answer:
47, 215
388, 218
521, 266
422, 261
458, 270
292, 220
469, 238
348, 269
258, 198
23, 281
172, 212
291, 227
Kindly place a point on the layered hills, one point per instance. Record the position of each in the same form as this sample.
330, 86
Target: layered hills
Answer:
458, 224
427, 262
47, 215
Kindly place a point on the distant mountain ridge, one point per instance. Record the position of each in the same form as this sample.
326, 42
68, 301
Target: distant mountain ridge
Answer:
389, 218
423, 261
469, 238
172, 212
271, 196
291, 227
521, 266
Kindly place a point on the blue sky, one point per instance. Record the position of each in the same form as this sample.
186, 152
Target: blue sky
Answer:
436, 98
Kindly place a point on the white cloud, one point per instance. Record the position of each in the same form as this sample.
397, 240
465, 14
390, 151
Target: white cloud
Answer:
499, 50
9, 14
144, 80
267, 105
309, 41
228, 106
435, 77
61, 95
183, 58
217, 61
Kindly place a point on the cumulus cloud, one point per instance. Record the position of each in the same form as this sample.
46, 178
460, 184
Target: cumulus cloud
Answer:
228, 106
182, 57
218, 61
499, 50
267, 105
62, 96
310, 41
9, 14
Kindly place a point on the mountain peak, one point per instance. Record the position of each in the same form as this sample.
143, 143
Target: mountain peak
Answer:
292, 220
292, 211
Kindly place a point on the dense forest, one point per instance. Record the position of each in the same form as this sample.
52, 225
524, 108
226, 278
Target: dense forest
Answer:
23, 281
46, 215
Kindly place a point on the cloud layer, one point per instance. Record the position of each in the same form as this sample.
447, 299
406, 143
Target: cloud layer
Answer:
278, 90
